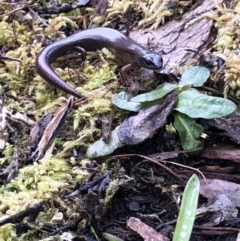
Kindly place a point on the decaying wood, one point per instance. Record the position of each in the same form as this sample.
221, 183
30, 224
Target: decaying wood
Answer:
174, 39
222, 152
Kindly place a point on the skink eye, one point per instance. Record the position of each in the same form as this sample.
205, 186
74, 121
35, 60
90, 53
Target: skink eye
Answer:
148, 62
151, 61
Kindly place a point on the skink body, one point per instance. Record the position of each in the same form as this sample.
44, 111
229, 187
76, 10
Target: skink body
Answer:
93, 39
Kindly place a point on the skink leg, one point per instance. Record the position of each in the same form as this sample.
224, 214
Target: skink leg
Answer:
82, 51
123, 71
132, 83
134, 66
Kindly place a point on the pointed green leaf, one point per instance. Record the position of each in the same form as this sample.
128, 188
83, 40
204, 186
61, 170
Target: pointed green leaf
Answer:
158, 93
195, 76
197, 105
188, 209
111, 237
189, 131
122, 100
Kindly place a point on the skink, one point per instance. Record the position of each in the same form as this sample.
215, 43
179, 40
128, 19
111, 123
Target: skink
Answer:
89, 40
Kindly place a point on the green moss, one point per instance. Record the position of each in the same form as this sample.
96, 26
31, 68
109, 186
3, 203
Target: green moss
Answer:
7, 154
8, 233
227, 46
154, 12
34, 184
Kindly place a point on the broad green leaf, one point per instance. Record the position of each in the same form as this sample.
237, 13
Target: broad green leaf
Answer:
188, 209
195, 76
197, 105
158, 93
189, 131
122, 100
102, 148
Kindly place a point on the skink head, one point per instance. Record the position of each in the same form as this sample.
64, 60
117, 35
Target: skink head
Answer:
151, 60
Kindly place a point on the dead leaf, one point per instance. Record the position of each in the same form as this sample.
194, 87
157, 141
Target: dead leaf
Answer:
51, 129
138, 128
148, 233
223, 199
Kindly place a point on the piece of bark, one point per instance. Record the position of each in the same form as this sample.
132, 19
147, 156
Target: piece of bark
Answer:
222, 152
175, 38
230, 124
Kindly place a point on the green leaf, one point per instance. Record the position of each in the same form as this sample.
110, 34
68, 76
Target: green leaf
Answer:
158, 93
195, 76
122, 100
188, 209
103, 148
148, 104
189, 131
197, 105
111, 237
